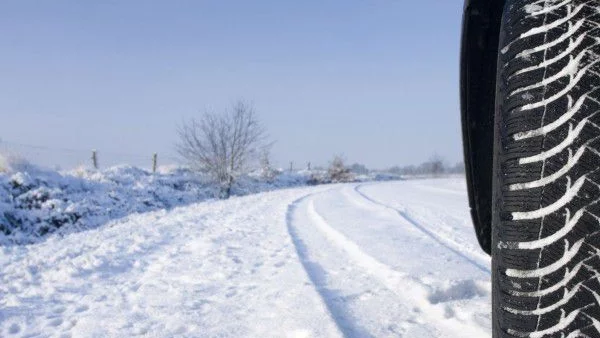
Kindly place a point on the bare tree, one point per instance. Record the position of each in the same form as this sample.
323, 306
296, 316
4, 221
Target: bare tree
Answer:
435, 166
338, 172
458, 168
223, 145
359, 169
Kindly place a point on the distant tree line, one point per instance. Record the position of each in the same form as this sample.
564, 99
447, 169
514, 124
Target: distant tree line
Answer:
435, 166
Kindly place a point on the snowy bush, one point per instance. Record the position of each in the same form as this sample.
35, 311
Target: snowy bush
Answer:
267, 172
338, 172
318, 177
35, 203
3, 164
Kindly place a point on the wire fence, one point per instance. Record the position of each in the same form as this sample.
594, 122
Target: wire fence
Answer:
69, 158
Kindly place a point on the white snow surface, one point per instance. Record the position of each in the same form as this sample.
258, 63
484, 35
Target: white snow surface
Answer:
36, 203
383, 259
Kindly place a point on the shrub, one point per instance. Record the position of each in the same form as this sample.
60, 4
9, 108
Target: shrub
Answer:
338, 172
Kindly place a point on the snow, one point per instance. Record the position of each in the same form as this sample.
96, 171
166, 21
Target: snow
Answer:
383, 259
36, 202
532, 8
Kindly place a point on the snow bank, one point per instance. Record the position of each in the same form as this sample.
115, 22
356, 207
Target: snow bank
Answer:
35, 202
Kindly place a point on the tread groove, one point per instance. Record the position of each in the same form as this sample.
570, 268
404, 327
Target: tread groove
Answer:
546, 223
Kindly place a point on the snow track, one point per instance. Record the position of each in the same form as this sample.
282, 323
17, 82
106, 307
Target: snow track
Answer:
448, 244
311, 262
339, 265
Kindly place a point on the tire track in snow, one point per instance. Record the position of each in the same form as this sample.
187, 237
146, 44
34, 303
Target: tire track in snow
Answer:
425, 231
419, 294
318, 278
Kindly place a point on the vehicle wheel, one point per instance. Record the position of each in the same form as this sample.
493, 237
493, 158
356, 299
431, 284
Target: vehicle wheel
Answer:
546, 184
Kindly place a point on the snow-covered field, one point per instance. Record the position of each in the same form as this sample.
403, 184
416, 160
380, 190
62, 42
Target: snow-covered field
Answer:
385, 259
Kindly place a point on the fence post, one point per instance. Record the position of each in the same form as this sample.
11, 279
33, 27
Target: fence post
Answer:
291, 166
95, 159
308, 166
154, 160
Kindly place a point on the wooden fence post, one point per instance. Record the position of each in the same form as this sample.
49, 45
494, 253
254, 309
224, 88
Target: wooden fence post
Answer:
95, 159
154, 161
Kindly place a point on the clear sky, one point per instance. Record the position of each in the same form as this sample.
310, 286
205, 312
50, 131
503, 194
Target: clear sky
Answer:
374, 80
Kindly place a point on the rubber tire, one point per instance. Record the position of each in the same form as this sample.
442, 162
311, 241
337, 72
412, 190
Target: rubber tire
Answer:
546, 184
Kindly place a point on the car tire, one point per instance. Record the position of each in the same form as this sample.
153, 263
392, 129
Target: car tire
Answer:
546, 179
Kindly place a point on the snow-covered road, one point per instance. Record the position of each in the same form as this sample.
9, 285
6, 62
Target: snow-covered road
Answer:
393, 259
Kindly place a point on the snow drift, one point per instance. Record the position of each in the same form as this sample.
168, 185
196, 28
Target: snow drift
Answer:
36, 202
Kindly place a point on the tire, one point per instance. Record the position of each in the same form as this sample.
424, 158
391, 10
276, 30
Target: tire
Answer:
546, 184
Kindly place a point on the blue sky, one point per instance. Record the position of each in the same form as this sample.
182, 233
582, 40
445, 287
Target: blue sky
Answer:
374, 80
